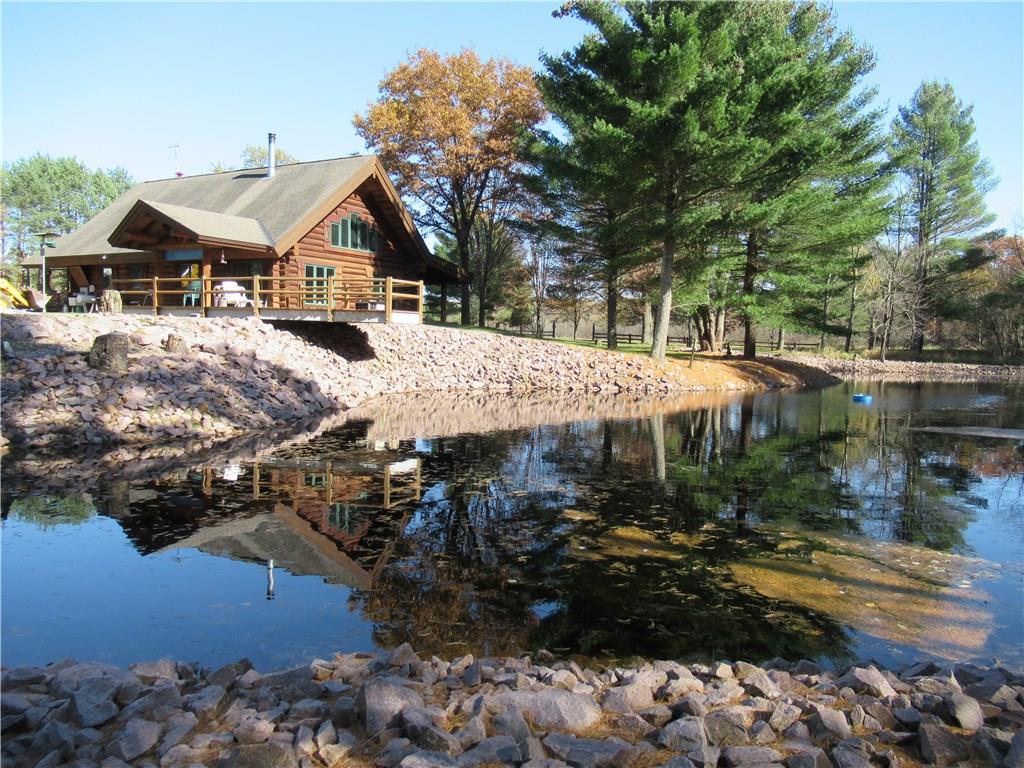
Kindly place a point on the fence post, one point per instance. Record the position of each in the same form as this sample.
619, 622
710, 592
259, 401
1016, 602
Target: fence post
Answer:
256, 295
387, 299
156, 300
552, 329
422, 293
330, 299
593, 334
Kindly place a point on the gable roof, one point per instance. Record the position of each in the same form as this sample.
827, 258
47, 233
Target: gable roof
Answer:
200, 225
244, 206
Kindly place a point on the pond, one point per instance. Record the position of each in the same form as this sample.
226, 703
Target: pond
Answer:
793, 524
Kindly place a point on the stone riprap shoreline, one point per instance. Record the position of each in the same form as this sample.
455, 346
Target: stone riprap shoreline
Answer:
192, 377
400, 710
904, 371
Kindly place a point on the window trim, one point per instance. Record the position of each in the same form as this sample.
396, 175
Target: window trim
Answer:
351, 227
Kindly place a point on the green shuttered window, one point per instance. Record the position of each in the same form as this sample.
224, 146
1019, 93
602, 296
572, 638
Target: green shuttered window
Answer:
354, 232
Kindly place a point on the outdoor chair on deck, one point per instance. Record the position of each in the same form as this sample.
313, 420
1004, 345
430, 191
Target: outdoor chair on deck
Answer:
191, 299
230, 294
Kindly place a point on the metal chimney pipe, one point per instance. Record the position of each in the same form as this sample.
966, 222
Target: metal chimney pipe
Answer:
271, 139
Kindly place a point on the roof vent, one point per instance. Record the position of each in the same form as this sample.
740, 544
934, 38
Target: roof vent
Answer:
271, 140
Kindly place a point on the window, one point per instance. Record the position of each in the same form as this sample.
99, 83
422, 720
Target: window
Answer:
317, 276
339, 233
355, 232
315, 481
245, 268
137, 271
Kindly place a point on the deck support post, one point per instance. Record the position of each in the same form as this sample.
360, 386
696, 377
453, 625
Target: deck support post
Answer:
423, 293
207, 282
388, 299
156, 293
330, 299
256, 295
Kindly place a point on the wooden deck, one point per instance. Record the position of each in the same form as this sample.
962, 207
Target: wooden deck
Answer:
343, 300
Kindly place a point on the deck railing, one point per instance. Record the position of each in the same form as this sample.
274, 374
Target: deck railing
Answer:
327, 294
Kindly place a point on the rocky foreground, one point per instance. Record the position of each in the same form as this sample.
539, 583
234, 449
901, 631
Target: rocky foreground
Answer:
399, 710
180, 378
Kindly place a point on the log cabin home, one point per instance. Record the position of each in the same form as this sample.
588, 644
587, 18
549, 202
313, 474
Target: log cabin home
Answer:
328, 240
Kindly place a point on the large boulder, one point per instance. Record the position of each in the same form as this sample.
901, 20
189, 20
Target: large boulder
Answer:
380, 702
552, 709
110, 352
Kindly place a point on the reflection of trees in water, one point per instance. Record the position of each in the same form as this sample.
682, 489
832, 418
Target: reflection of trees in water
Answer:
495, 538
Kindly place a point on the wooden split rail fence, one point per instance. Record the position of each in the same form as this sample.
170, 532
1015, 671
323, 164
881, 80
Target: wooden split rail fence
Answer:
385, 295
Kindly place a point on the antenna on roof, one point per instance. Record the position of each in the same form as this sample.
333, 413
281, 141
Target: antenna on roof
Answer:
177, 167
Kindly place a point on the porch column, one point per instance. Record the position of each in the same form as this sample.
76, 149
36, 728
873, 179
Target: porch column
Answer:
207, 273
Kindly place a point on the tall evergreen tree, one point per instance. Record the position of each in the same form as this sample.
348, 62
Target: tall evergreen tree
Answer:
663, 93
934, 148
817, 187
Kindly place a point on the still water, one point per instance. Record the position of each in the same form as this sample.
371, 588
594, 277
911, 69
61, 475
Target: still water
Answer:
797, 524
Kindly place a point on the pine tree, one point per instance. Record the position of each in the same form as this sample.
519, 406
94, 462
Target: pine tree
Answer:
934, 149
817, 188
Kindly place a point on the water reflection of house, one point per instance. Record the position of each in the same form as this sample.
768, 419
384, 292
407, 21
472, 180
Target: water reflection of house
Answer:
337, 519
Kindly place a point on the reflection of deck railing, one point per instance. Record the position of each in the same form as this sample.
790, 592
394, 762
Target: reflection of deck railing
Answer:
385, 295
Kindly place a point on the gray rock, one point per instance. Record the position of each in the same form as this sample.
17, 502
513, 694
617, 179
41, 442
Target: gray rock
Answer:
584, 753
307, 708
798, 732
159, 703
496, 749
19, 677
472, 733
734, 756
326, 734
343, 712
706, 757
335, 753
546, 763
110, 352
179, 728
1003, 696
512, 723
632, 727
426, 759
828, 726
725, 692
784, 716
305, 740
253, 730
226, 676
269, 755
207, 703
941, 747
51, 760
394, 752
380, 702
814, 757
552, 709
759, 684
727, 727
965, 711
93, 703
150, 672
472, 676
68, 679
659, 715
54, 735
805, 667
134, 740
1015, 757
761, 733
683, 735
907, 716
866, 680
402, 655
848, 757
679, 762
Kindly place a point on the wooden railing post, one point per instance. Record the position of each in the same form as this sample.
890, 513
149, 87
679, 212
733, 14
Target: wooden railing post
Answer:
156, 293
330, 299
423, 291
256, 295
388, 290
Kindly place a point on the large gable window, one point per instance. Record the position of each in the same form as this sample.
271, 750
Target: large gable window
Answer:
354, 232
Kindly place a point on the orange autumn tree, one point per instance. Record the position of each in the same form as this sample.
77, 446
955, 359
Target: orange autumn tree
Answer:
448, 129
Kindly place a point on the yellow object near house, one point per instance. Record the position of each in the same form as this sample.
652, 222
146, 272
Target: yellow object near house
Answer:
11, 296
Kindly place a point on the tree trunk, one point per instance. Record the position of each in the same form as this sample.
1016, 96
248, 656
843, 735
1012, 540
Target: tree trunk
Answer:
780, 345
481, 312
749, 273
718, 339
463, 246
612, 305
849, 321
659, 344
648, 323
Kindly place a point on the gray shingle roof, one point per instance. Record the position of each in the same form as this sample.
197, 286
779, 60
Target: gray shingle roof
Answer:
214, 225
275, 204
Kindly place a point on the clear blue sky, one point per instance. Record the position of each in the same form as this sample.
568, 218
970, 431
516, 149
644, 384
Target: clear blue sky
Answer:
117, 84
